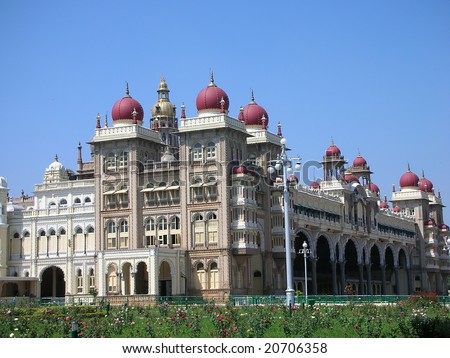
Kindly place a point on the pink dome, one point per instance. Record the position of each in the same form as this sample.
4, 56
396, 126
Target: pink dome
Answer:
444, 227
253, 113
333, 151
211, 96
359, 162
430, 222
315, 185
409, 179
350, 178
425, 185
241, 169
123, 109
384, 205
374, 188
397, 209
292, 178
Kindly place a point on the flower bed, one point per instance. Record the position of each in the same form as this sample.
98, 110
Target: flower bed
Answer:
410, 318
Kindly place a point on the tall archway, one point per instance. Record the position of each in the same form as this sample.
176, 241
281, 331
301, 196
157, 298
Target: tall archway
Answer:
323, 267
390, 275
351, 268
165, 279
53, 283
141, 279
299, 263
375, 270
403, 287
126, 277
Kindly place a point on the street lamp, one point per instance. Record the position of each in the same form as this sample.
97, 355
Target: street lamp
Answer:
305, 251
285, 163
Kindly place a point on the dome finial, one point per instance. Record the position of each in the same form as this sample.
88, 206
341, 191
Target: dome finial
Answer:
56, 157
409, 168
279, 130
127, 91
134, 114
106, 120
332, 141
183, 111
263, 122
253, 97
98, 121
211, 78
423, 173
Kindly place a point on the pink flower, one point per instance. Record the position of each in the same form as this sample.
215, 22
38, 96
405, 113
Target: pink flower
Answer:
132, 323
67, 318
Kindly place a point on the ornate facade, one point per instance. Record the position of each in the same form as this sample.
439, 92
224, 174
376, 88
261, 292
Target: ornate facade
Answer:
187, 207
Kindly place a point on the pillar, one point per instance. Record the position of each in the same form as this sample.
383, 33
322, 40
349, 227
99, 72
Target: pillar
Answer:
333, 276
314, 275
397, 289
342, 267
361, 278
383, 279
369, 279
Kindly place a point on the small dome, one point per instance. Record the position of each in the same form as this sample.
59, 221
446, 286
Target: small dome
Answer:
397, 209
333, 151
315, 185
384, 205
359, 162
350, 178
56, 165
409, 179
123, 109
254, 115
443, 227
374, 188
168, 156
163, 107
209, 99
292, 178
241, 169
430, 222
425, 185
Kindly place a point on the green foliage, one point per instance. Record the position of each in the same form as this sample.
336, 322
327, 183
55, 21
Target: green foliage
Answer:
421, 316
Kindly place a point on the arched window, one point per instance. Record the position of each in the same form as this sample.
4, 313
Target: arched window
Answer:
62, 231
91, 278
210, 150
111, 236
213, 228
78, 230
162, 231
16, 235
175, 223
26, 234
52, 232
150, 232
111, 161
79, 281
77, 201
197, 152
123, 160
90, 230
123, 234
52, 205
112, 280
199, 230
201, 276
213, 276
42, 233
162, 224
63, 202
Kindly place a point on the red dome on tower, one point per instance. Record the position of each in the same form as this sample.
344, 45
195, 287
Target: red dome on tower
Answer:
374, 188
350, 178
211, 97
397, 209
409, 179
425, 184
384, 205
333, 151
241, 169
253, 114
315, 185
359, 161
123, 109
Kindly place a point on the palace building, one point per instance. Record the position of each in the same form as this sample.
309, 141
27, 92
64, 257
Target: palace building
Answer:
186, 206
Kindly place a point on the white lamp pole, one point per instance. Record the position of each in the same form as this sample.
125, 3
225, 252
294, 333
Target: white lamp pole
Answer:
305, 251
285, 163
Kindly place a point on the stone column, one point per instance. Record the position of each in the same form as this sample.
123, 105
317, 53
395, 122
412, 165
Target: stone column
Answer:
333, 276
397, 288
409, 278
342, 267
361, 278
369, 279
314, 275
383, 279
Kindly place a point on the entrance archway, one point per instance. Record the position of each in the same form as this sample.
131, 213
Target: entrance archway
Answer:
141, 279
165, 279
53, 283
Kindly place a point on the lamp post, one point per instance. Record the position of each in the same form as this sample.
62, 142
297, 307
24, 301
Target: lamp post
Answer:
285, 163
305, 251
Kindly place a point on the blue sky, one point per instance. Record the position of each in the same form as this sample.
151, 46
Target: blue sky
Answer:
374, 76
